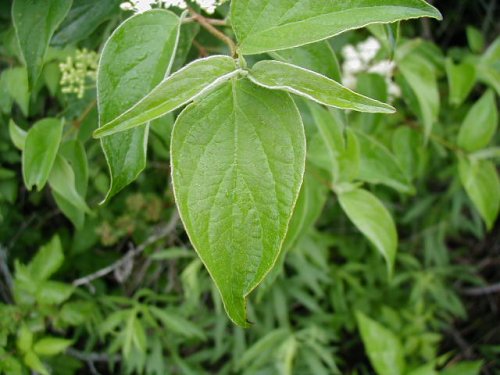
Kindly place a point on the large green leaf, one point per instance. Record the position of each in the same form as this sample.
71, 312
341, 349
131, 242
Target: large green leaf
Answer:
180, 88
371, 217
83, 18
40, 150
480, 124
382, 346
35, 22
269, 25
136, 58
16, 82
481, 182
238, 160
278, 75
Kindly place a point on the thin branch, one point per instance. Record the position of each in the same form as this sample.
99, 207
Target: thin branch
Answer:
212, 21
78, 122
212, 30
482, 291
92, 357
166, 231
4, 269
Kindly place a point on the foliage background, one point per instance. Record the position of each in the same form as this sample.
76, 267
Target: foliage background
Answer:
158, 312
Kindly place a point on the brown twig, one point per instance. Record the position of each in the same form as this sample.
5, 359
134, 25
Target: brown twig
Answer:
483, 290
78, 122
205, 23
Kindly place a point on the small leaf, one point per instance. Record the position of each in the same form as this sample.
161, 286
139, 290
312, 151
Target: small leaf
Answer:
372, 219
47, 260
382, 346
16, 81
33, 362
176, 323
24, 338
480, 124
49, 346
53, 292
277, 75
318, 57
129, 68
461, 79
420, 75
464, 368
475, 39
17, 135
35, 22
481, 182
263, 25
238, 160
62, 181
263, 348
42, 143
379, 166
182, 87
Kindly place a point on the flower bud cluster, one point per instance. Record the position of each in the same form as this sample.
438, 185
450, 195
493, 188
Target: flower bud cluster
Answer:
77, 70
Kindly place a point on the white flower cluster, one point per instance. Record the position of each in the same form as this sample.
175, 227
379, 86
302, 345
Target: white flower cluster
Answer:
360, 58
140, 6
75, 71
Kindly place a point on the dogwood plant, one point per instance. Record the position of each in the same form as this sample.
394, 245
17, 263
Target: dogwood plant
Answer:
238, 147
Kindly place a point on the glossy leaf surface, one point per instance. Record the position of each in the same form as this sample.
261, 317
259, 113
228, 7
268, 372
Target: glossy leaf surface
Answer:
180, 88
238, 160
136, 58
277, 75
270, 25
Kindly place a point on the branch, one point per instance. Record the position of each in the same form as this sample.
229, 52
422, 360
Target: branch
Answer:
482, 291
166, 231
207, 25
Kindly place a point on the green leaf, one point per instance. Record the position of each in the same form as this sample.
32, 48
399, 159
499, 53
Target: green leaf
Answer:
263, 25
83, 18
379, 166
42, 143
49, 346
464, 368
461, 79
35, 22
177, 324
129, 68
24, 338
372, 219
488, 69
33, 362
238, 160
185, 85
475, 39
382, 346
16, 81
47, 260
17, 135
277, 75
482, 184
318, 57
53, 292
480, 124
263, 349
421, 77
62, 181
